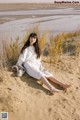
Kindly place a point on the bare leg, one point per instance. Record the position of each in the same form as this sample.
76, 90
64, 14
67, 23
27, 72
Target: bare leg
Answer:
64, 86
51, 88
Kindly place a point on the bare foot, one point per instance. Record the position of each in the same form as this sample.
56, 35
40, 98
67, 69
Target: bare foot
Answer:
65, 86
54, 90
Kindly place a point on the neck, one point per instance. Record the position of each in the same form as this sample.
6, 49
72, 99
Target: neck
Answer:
31, 44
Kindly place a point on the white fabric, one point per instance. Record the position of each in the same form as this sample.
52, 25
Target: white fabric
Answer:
32, 64
19, 70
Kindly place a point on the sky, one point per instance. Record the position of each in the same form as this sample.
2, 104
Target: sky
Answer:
32, 1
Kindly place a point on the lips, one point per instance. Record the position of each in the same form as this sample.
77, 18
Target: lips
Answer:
32, 41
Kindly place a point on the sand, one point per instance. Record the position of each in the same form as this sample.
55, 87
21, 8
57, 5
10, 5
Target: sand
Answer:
7, 18
25, 98
29, 6
18, 7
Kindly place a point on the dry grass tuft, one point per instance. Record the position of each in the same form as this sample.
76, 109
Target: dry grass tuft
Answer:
61, 44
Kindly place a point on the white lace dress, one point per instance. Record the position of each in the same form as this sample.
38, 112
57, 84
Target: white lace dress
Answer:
32, 64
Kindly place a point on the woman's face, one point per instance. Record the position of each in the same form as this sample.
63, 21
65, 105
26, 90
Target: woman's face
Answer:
32, 40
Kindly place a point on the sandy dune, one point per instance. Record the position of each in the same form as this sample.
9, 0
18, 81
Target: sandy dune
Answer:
25, 99
27, 6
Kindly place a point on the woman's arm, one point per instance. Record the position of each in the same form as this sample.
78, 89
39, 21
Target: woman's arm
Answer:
22, 59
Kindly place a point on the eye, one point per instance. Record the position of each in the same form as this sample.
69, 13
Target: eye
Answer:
34, 37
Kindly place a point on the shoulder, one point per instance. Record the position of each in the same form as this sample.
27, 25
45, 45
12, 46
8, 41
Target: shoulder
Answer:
24, 51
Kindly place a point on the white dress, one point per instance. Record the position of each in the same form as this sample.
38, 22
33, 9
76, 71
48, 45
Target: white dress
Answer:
32, 64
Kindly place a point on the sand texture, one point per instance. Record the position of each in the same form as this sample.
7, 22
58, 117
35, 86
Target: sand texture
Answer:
25, 98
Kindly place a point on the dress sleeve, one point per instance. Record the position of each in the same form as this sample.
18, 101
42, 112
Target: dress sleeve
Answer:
22, 58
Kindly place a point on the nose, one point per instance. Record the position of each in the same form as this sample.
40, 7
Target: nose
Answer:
32, 39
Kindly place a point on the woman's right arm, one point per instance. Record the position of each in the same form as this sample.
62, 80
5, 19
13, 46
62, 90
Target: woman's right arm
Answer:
22, 59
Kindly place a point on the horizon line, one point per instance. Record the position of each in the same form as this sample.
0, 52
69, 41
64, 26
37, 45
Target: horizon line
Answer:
26, 2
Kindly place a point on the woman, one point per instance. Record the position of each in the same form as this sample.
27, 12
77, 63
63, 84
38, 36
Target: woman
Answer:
30, 60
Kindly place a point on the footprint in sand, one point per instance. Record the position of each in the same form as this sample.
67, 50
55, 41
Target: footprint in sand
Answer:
9, 88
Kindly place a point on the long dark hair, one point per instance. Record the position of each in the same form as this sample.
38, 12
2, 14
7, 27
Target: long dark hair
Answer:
36, 44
